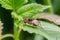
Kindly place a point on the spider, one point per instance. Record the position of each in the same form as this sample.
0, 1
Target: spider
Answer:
32, 21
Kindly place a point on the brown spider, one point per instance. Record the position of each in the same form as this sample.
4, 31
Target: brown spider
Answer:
31, 21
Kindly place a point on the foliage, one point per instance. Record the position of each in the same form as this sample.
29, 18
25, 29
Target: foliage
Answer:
22, 9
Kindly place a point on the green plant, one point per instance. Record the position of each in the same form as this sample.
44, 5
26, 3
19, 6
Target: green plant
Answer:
20, 10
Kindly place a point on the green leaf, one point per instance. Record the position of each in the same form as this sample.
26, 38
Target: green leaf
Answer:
52, 30
12, 4
33, 29
32, 1
54, 35
50, 26
17, 18
45, 29
38, 37
31, 9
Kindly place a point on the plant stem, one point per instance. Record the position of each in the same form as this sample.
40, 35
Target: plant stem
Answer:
48, 2
7, 35
16, 30
16, 33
